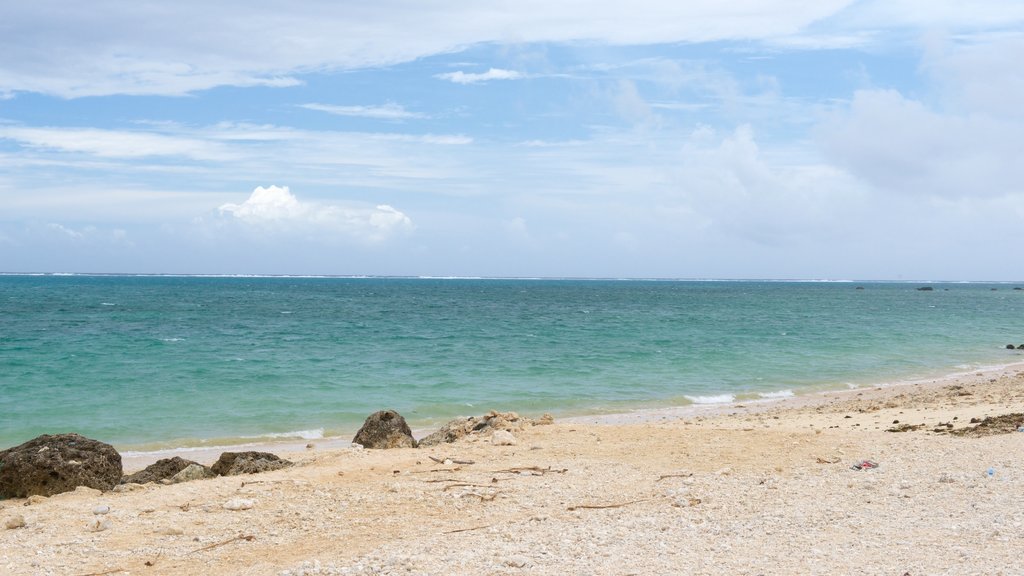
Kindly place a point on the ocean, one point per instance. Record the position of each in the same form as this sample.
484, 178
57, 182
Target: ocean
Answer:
165, 362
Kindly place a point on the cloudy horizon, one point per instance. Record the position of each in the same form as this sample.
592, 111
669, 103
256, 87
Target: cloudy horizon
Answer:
846, 140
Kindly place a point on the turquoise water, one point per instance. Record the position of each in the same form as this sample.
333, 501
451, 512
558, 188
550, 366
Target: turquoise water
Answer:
161, 362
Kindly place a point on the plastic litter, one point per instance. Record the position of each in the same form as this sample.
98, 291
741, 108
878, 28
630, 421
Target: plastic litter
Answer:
990, 472
865, 465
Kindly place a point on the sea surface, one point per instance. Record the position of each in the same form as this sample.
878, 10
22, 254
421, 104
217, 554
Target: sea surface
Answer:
162, 362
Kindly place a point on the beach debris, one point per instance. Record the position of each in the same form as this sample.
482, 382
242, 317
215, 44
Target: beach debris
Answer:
237, 504
100, 525
457, 530
163, 469
992, 425
678, 475
605, 506
14, 522
531, 471
450, 461
235, 463
503, 438
384, 430
101, 509
831, 460
240, 537
904, 427
990, 472
52, 464
865, 465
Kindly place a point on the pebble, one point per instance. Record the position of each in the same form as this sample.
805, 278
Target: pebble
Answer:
503, 438
239, 504
99, 525
16, 521
101, 509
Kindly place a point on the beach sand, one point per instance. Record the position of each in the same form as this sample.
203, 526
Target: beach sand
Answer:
760, 488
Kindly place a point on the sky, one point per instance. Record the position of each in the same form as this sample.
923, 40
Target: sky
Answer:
837, 139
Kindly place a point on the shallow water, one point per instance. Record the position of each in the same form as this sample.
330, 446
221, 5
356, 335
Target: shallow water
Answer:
163, 362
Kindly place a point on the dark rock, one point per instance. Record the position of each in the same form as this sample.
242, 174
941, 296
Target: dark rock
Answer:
235, 463
52, 464
385, 429
1020, 347
1011, 347
159, 470
925, 289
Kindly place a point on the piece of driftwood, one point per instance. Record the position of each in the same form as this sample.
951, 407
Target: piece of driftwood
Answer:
542, 471
465, 485
681, 475
114, 571
603, 506
247, 538
467, 529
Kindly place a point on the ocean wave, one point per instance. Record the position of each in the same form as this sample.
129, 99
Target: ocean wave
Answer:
775, 395
717, 399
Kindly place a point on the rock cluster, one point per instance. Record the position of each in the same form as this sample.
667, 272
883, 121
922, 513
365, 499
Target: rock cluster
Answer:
52, 464
484, 425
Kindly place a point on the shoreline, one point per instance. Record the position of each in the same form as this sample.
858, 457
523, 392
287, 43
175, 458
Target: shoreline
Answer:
763, 488
133, 460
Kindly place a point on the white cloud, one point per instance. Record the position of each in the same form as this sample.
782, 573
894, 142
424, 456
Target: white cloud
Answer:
902, 146
276, 208
114, 143
460, 77
76, 50
389, 111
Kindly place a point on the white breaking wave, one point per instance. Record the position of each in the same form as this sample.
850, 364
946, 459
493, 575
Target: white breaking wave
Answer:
718, 399
777, 394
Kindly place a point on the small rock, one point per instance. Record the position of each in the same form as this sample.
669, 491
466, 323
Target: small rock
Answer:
503, 438
101, 509
35, 499
16, 521
192, 472
99, 525
239, 504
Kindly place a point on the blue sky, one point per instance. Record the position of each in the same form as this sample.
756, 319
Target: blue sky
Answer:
749, 139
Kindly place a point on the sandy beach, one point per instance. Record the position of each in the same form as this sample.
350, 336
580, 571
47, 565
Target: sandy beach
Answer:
764, 488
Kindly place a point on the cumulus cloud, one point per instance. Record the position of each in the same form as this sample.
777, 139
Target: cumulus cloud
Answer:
460, 77
389, 111
277, 208
902, 146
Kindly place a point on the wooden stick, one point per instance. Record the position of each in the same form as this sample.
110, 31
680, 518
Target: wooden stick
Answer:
465, 485
114, 571
682, 475
467, 529
532, 469
603, 506
248, 538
